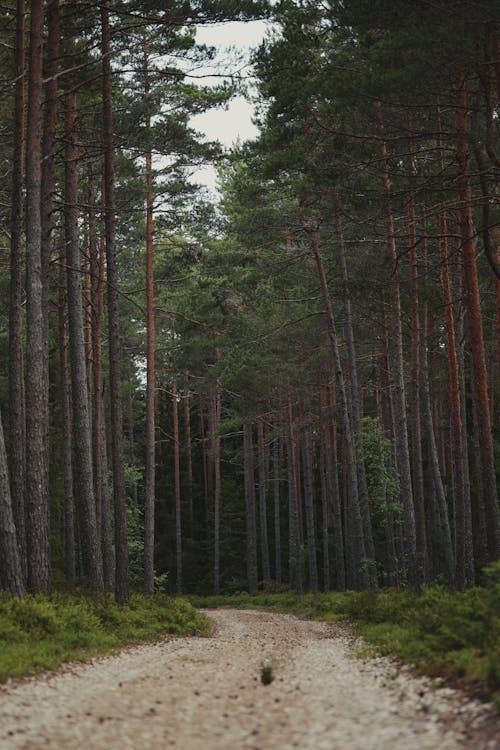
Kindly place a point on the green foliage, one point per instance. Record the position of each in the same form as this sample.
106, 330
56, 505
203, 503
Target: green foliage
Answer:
381, 474
40, 632
135, 528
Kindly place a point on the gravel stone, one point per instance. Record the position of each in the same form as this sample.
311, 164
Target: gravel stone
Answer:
322, 698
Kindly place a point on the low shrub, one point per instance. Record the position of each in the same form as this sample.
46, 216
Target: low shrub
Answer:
42, 631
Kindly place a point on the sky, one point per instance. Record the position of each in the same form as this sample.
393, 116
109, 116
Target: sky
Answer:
235, 122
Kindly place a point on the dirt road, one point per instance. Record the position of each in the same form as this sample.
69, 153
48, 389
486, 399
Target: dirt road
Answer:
199, 693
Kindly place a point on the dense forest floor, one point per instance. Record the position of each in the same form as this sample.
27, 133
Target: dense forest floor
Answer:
207, 693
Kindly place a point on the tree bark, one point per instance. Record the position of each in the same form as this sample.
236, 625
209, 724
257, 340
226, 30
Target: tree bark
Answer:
384, 413
177, 475
82, 443
103, 511
354, 392
119, 492
357, 551
277, 521
64, 385
51, 68
264, 540
11, 577
189, 452
91, 285
415, 410
475, 324
470, 574
332, 477
150, 475
397, 366
325, 514
36, 396
432, 448
217, 488
131, 432
17, 412
294, 561
204, 461
309, 506
251, 526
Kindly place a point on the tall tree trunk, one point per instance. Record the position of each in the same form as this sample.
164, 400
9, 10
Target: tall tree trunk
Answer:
150, 476
384, 413
204, 460
475, 323
68, 507
91, 283
298, 482
354, 391
11, 577
217, 487
108, 558
459, 459
37, 504
356, 548
189, 452
397, 369
497, 329
47, 192
119, 492
438, 495
177, 474
332, 477
309, 506
456, 269
103, 511
277, 521
131, 431
91, 279
454, 396
325, 514
251, 526
264, 540
294, 561
394, 513
415, 410
17, 414
82, 443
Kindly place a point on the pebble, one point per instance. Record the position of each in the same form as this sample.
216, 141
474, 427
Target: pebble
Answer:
322, 698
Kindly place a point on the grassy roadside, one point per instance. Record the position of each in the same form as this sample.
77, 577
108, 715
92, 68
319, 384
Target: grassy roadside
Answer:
455, 635
43, 631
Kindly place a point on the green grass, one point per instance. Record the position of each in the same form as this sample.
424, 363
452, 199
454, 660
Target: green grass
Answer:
42, 631
455, 635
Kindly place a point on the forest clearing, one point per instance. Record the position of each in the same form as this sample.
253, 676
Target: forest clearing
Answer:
200, 693
279, 393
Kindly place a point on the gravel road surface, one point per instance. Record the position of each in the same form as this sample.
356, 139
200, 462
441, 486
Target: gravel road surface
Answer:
206, 694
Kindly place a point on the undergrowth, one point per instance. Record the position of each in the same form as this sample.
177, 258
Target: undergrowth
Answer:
451, 634
42, 631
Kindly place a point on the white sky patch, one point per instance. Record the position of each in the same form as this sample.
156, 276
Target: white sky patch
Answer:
228, 125
233, 123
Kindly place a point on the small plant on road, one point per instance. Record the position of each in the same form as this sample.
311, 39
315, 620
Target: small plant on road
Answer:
266, 674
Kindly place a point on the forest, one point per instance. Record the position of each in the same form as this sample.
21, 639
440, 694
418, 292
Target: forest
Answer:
294, 387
